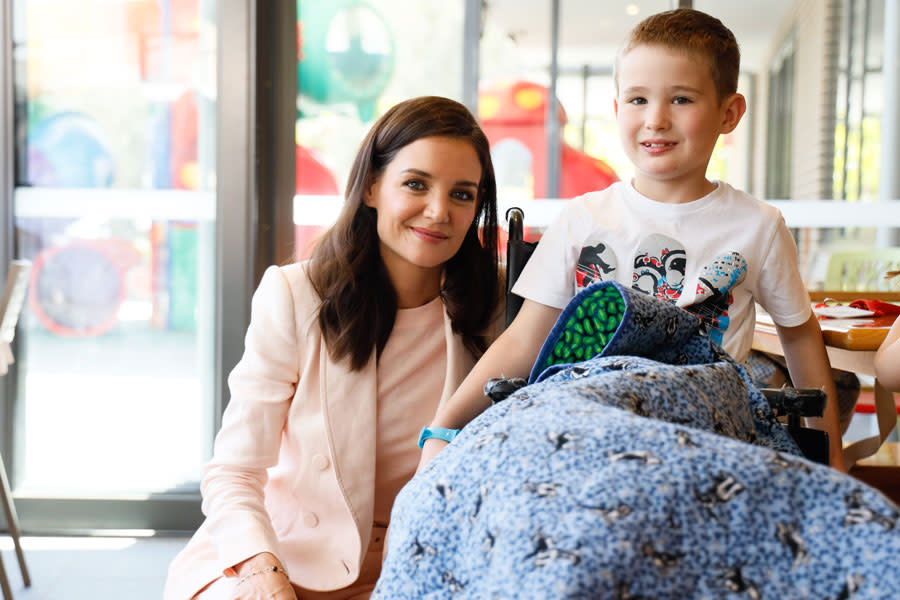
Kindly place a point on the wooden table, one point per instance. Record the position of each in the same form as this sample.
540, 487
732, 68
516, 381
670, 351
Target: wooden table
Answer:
851, 347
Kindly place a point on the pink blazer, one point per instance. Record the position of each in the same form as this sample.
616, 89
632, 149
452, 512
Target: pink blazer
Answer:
293, 470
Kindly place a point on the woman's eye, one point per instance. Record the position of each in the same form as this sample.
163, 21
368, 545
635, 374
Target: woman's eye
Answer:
464, 195
415, 184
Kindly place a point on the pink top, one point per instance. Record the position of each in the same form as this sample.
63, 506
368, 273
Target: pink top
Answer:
410, 376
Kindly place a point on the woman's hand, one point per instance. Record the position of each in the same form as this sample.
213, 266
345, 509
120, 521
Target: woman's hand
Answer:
257, 580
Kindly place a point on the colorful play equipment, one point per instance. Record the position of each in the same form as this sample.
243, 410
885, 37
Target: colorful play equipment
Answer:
313, 179
347, 53
173, 244
79, 285
68, 149
514, 117
77, 288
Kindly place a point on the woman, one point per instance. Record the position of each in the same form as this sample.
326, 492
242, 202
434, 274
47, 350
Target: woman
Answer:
347, 356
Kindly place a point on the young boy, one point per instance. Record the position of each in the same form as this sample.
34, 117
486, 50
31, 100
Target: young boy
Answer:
669, 232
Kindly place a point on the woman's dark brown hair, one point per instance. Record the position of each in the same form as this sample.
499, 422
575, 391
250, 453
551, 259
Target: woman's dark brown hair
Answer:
358, 300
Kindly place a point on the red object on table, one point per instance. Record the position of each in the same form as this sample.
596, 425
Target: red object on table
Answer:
879, 307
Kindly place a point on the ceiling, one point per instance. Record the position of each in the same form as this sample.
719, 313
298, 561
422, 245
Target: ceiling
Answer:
590, 29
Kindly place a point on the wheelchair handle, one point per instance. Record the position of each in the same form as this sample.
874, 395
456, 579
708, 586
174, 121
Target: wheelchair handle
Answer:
515, 217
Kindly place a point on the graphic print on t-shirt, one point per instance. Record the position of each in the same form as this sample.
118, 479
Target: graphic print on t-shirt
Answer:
660, 263
595, 263
713, 296
659, 267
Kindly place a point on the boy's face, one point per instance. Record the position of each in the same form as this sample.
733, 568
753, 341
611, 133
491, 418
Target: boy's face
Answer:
669, 118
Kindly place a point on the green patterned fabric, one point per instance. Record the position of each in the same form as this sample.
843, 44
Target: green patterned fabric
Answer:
589, 328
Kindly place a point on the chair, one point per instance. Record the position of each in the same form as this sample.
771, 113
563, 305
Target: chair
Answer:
861, 270
10, 308
787, 402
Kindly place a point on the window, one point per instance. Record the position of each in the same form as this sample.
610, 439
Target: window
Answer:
781, 104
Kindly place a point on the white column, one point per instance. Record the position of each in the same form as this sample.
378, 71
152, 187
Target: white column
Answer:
554, 129
471, 54
889, 173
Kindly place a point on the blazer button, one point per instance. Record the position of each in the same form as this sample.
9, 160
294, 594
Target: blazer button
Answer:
310, 519
320, 462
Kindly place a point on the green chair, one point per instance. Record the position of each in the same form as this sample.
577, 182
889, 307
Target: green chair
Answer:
862, 270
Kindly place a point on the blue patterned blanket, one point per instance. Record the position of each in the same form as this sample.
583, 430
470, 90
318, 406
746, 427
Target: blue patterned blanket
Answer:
651, 470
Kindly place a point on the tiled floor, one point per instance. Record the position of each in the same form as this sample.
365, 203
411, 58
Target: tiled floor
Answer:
79, 568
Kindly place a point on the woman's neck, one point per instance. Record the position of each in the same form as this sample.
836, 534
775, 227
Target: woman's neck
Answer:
417, 289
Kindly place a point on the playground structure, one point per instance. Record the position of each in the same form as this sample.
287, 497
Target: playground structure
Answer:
514, 117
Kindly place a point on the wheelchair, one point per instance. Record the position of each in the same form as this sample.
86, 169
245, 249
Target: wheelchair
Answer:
789, 404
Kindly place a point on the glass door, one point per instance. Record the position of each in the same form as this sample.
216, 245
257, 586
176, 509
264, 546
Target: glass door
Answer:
115, 205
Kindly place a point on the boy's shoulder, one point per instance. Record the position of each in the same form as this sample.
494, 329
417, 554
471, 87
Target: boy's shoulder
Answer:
738, 194
726, 207
613, 189
736, 199
725, 196
615, 192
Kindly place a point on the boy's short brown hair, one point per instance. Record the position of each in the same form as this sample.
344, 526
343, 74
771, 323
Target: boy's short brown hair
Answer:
693, 32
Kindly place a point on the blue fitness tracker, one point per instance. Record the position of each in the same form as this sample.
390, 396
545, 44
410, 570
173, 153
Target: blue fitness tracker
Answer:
441, 433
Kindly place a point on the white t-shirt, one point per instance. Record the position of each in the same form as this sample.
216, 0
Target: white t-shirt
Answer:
717, 254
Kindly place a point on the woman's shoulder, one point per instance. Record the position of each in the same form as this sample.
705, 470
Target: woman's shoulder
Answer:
294, 280
296, 275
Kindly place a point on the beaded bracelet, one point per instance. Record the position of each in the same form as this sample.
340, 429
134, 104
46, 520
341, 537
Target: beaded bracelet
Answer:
272, 568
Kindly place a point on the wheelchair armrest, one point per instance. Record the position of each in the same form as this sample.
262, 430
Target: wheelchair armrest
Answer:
799, 402
498, 388
796, 403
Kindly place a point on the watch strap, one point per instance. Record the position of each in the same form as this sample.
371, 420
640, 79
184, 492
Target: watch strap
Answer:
441, 433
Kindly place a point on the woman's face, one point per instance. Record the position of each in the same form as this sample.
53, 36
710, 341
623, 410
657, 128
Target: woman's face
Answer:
426, 200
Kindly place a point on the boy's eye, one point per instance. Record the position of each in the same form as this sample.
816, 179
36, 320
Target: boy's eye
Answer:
638, 100
681, 100
415, 184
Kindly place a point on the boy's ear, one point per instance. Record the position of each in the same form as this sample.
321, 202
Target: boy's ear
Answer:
733, 108
616, 107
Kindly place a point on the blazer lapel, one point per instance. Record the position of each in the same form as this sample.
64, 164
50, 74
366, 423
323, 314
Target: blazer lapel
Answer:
349, 405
